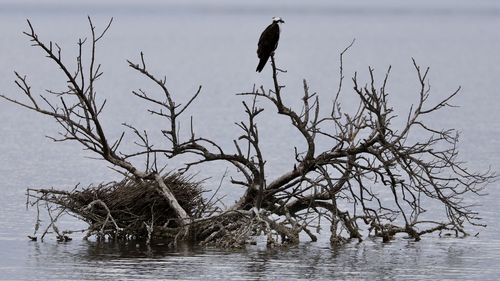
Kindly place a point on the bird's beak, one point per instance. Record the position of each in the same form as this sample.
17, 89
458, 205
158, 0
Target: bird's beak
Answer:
282, 21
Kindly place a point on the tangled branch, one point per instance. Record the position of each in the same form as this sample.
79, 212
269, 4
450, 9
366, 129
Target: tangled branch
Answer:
373, 177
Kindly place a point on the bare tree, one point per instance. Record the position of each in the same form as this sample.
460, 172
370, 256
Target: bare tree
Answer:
368, 157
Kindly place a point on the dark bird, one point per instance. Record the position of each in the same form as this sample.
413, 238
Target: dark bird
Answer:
268, 42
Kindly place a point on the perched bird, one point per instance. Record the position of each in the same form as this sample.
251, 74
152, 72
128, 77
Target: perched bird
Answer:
268, 42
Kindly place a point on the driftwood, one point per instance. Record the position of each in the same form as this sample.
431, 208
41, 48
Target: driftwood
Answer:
342, 184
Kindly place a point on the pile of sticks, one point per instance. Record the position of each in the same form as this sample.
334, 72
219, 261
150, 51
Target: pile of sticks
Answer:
120, 210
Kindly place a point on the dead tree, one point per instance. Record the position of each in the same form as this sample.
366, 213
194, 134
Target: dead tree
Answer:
368, 158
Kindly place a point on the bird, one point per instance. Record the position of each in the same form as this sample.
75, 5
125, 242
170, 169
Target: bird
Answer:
268, 42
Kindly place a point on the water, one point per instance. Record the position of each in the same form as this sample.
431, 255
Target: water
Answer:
196, 43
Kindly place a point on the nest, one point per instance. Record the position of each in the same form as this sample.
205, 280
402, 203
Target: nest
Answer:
127, 208
137, 209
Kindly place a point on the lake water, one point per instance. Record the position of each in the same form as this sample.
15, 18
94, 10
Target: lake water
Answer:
213, 44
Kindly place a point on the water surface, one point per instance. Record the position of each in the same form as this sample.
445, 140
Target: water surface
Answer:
213, 45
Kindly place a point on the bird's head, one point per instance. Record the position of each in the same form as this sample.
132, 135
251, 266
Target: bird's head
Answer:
278, 20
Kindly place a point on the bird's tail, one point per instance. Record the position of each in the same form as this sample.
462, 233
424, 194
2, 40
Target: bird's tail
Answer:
261, 65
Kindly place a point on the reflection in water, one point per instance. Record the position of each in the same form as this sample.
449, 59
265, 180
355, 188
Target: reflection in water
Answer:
436, 259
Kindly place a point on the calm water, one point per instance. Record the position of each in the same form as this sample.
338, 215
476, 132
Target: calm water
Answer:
214, 45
